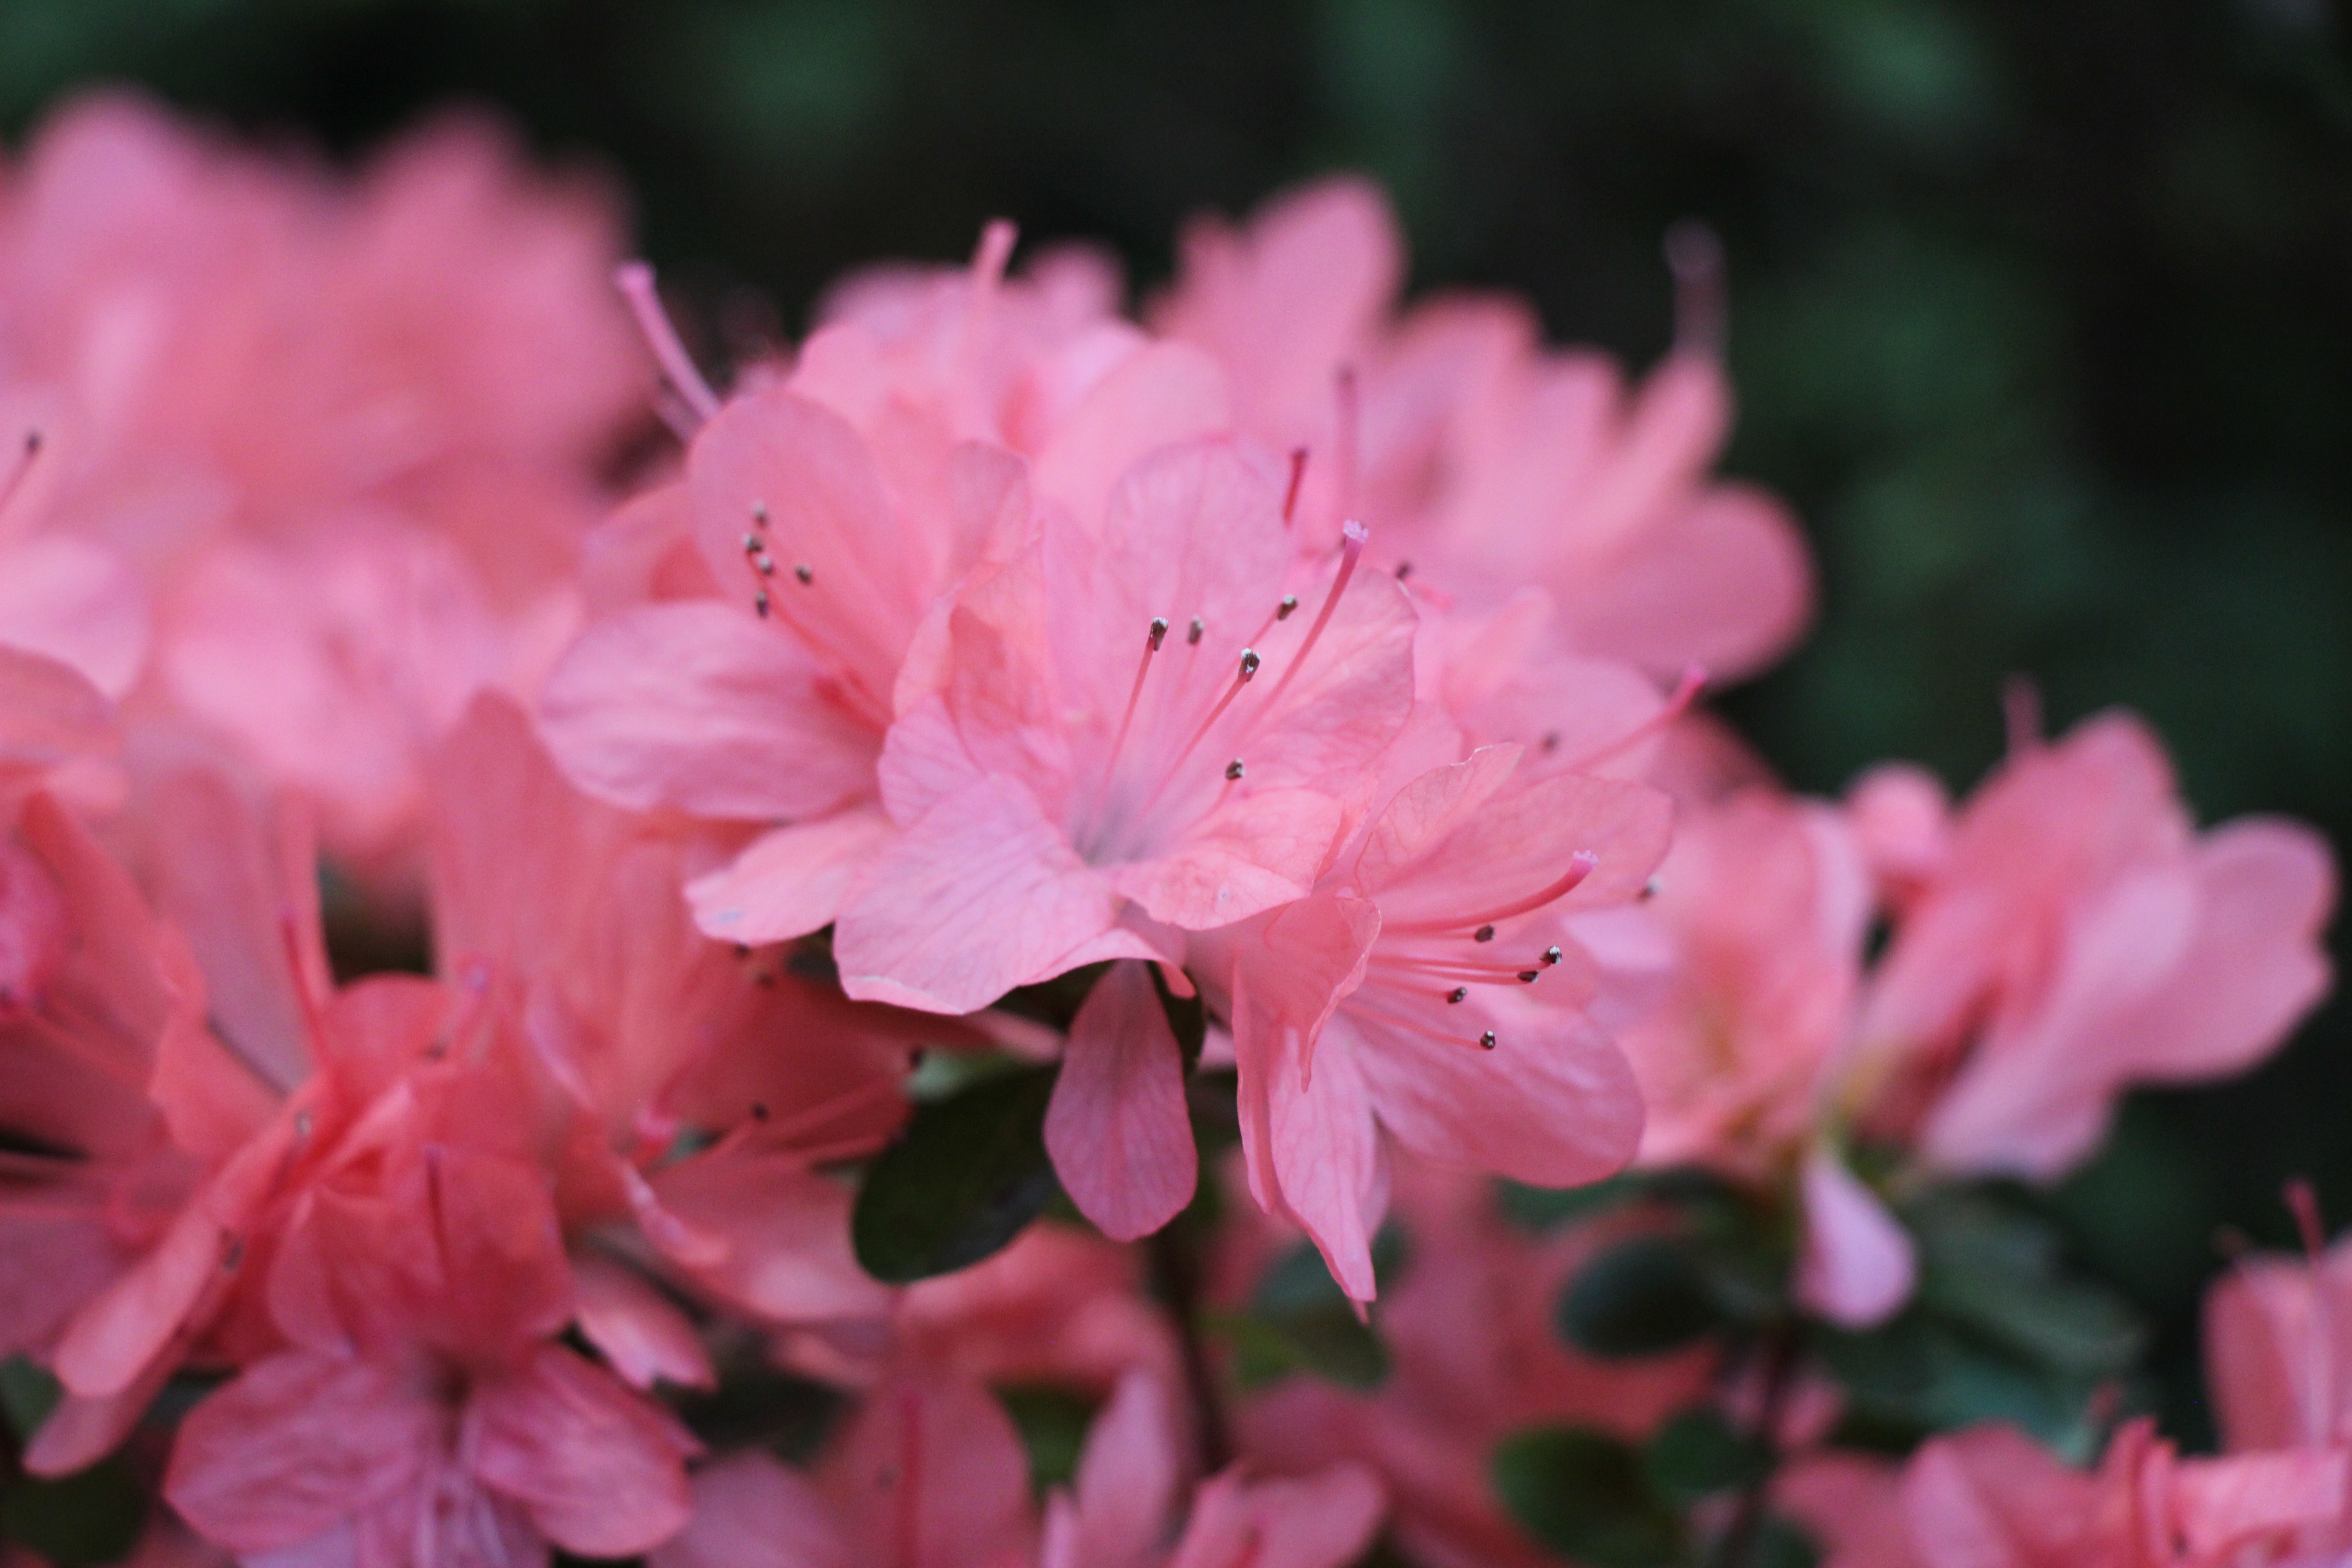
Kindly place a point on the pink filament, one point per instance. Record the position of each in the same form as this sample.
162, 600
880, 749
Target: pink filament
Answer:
636, 281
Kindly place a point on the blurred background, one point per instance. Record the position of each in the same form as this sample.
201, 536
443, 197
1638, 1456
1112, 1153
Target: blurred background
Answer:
2042, 317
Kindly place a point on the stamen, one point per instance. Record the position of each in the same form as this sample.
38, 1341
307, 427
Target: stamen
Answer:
759, 604
636, 281
1289, 606
1352, 551
804, 572
1529, 976
1349, 412
1153, 637
24, 471
1487, 1041
1233, 771
1695, 257
1458, 994
1686, 692
1192, 636
760, 515
1298, 476
2319, 1414
1403, 571
1250, 661
1552, 955
1580, 865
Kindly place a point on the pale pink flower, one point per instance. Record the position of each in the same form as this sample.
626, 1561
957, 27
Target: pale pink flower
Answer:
1434, 984
1138, 729
930, 1474
1990, 1498
1476, 1357
2080, 939
421, 1413
1489, 462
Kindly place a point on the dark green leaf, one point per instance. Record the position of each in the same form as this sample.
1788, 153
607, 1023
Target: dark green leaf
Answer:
28, 1394
1638, 1298
968, 1175
1696, 1454
1328, 1342
1998, 1271
1779, 1543
1188, 1018
1584, 1495
93, 1515
1053, 1423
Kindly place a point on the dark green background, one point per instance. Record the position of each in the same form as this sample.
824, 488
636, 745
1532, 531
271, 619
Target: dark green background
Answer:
2042, 316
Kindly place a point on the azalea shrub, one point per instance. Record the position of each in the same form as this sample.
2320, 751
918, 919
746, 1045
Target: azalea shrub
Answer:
1028, 931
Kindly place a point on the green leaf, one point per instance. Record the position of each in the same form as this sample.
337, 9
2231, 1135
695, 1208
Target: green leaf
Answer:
1696, 1454
1780, 1543
1639, 1298
1188, 1018
970, 1171
1585, 1495
2000, 1271
93, 1515
28, 1393
1053, 1423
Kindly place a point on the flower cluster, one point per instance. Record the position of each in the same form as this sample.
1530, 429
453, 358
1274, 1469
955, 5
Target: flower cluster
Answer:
1040, 935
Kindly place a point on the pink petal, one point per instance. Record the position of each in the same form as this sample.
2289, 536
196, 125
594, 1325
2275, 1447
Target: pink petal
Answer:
785, 1235
1321, 1521
1858, 1264
931, 1474
1244, 857
701, 707
50, 715
601, 1470
982, 895
1326, 1161
1162, 395
646, 1338
1117, 1128
1128, 1471
1289, 973
789, 882
750, 1512
2245, 1499
71, 601
1553, 1104
297, 1444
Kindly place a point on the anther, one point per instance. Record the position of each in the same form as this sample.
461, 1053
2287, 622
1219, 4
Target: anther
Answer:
1458, 994
1234, 769
1487, 1041
1529, 976
806, 573
1193, 634
1552, 955
759, 514
759, 1110
751, 544
764, 565
1249, 662
1650, 888
1282, 612
1484, 933
760, 603
1404, 569
1158, 632
1550, 741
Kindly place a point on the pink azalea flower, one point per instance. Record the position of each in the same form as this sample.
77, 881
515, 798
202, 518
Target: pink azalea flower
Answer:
842, 506
2278, 1345
1989, 1498
930, 1474
1476, 1357
2082, 938
420, 1412
1402, 995
1137, 727
1489, 462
